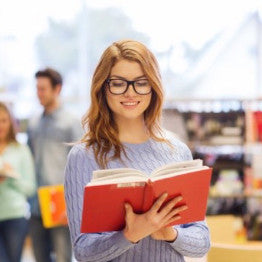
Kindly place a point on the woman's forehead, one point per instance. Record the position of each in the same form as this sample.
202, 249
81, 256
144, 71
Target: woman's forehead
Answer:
127, 69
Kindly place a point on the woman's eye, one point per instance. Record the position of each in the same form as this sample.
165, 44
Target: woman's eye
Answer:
142, 83
117, 83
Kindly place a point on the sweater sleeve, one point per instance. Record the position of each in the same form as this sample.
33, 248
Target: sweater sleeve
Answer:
25, 183
97, 247
193, 239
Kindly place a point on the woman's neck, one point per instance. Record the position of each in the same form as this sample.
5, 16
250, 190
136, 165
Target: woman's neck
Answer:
132, 130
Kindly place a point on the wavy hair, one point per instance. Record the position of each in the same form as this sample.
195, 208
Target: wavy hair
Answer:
11, 136
101, 128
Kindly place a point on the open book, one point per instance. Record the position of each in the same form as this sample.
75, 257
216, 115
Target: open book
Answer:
109, 189
52, 205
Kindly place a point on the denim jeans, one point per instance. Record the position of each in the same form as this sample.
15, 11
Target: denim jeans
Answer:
50, 244
12, 237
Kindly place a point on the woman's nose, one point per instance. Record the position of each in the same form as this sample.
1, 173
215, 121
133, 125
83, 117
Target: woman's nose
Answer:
130, 90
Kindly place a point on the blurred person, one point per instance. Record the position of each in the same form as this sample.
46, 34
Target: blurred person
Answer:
15, 160
48, 134
123, 130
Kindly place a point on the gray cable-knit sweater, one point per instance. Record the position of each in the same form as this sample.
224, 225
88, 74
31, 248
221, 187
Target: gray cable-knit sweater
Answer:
192, 240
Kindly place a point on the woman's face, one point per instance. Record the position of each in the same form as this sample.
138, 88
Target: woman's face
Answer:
129, 105
4, 125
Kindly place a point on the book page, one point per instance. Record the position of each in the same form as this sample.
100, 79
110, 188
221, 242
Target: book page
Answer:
105, 173
171, 173
120, 181
177, 167
177, 170
119, 176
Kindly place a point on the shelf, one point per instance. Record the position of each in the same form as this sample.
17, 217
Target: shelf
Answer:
253, 195
225, 196
219, 149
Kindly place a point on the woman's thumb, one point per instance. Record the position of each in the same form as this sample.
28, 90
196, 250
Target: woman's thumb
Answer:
128, 208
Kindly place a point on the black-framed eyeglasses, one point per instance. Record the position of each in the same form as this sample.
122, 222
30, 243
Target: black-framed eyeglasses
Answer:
120, 86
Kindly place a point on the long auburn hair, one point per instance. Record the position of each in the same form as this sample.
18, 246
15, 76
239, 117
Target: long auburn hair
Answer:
101, 128
11, 136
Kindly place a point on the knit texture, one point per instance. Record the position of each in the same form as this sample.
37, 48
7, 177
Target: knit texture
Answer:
193, 239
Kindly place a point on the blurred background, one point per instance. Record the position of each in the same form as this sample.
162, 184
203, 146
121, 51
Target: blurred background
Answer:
206, 49
210, 56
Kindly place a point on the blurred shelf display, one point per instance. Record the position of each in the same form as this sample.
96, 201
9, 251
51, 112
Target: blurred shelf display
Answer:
244, 195
227, 135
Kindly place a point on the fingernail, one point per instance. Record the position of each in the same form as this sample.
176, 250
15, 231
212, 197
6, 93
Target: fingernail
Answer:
180, 198
165, 194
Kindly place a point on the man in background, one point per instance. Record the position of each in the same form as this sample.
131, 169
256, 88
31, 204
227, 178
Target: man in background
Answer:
48, 134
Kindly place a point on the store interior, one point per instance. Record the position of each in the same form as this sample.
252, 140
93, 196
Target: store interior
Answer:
210, 59
227, 135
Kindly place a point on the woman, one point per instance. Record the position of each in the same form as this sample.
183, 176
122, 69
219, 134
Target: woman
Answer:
122, 130
17, 182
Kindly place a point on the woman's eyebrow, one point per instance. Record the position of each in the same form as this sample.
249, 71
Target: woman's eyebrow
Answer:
143, 76
121, 77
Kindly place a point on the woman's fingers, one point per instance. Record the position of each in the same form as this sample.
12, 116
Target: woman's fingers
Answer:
158, 203
175, 212
139, 226
172, 219
167, 208
129, 210
170, 205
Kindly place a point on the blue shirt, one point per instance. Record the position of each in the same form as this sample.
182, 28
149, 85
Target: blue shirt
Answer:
47, 138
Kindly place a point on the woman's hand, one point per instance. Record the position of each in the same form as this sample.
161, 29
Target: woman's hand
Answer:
6, 170
168, 233
4, 167
165, 233
139, 226
7, 167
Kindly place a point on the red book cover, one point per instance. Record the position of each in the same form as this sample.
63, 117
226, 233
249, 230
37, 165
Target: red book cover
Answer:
52, 205
58, 207
103, 206
258, 123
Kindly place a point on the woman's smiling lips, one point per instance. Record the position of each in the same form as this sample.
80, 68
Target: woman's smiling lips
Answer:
130, 104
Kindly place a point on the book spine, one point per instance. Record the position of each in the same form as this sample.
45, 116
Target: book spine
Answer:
148, 197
